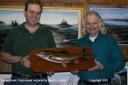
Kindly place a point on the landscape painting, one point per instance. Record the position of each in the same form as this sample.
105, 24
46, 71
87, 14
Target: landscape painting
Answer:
116, 21
64, 23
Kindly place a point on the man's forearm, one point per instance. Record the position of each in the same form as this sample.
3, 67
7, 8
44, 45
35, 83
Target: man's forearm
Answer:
6, 57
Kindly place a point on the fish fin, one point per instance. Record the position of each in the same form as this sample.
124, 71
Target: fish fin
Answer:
64, 64
76, 61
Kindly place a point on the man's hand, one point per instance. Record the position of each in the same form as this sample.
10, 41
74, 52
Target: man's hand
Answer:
98, 66
50, 73
75, 72
25, 61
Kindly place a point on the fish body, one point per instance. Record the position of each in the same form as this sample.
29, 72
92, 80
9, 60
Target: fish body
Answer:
58, 57
63, 57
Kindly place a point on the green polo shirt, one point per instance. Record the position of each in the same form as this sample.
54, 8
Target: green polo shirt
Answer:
20, 42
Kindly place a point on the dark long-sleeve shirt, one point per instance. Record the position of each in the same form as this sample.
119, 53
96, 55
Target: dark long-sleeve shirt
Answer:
107, 52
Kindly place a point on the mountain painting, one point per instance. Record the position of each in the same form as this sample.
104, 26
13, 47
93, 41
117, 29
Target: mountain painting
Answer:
63, 23
116, 21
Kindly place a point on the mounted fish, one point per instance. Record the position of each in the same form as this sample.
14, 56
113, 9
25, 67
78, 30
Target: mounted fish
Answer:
61, 59
57, 57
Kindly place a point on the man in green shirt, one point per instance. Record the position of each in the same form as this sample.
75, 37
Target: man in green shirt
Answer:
23, 39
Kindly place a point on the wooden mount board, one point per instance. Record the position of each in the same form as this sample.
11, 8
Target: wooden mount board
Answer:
42, 65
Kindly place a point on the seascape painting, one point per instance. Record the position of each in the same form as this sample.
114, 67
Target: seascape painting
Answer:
63, 23
116, 21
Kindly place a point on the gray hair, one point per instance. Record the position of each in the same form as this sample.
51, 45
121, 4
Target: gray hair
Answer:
102, 30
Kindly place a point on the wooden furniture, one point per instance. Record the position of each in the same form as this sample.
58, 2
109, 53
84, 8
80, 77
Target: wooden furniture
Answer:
5, 67
124, 49
42, 65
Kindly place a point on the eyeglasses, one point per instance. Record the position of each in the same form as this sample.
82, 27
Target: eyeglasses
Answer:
33, 12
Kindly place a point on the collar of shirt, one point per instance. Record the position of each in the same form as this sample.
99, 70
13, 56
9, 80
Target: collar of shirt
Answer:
99, 36
41, 27
92, 38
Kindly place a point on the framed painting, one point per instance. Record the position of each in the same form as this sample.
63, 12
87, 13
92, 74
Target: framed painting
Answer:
116, 21
64, 22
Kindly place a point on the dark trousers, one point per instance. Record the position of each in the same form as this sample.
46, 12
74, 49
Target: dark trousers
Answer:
82, 82
27, 80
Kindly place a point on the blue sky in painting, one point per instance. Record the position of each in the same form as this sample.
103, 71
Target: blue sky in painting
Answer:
107, 13
8, 15
4, 12
48, 17
113, 16
55, 17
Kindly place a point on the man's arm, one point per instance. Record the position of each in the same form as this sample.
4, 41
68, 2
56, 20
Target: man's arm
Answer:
118, 62
6, 57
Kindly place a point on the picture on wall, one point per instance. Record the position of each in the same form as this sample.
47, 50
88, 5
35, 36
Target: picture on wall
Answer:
64, 23
116, 21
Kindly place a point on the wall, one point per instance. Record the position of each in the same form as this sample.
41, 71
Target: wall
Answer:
64, 3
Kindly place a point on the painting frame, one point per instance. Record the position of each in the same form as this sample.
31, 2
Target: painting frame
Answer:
78, 10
